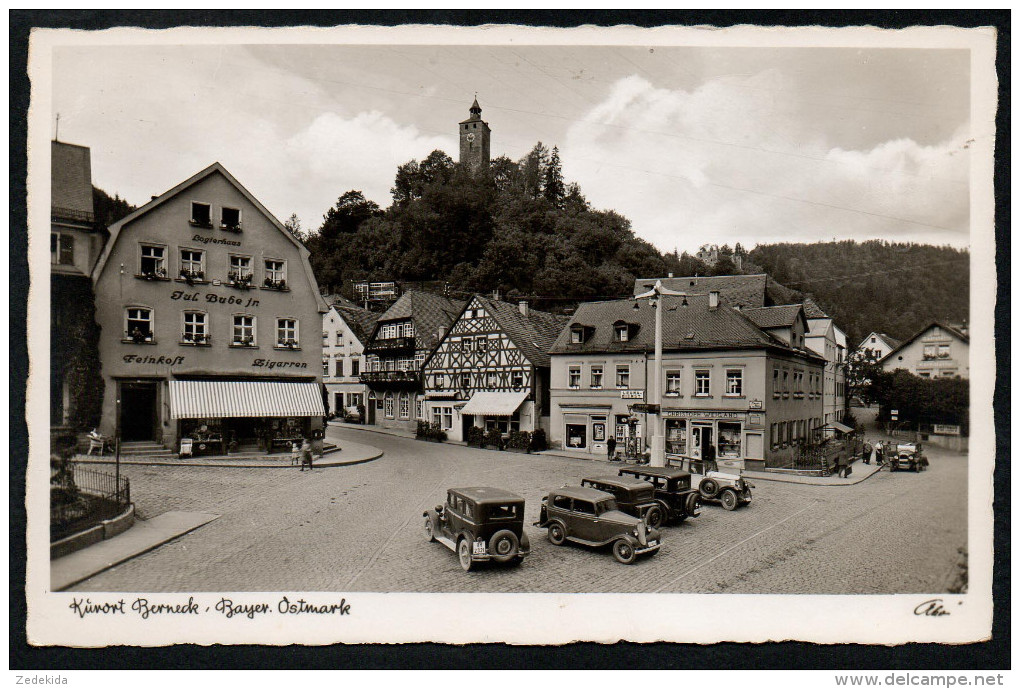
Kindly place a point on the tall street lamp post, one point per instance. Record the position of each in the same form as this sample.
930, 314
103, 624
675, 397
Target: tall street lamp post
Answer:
654, 296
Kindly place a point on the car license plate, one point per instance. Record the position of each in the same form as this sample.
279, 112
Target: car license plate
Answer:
479, 548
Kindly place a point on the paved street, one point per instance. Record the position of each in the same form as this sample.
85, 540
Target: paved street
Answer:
359, 528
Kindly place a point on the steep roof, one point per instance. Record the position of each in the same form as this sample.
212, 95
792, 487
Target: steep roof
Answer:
533, 334
774, 316
889, 340
360, 321
812, 310
429, 312
694, 327
71, 182
216, 168
745, 291
951, 329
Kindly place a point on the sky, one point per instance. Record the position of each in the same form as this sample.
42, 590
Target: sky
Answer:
693, 145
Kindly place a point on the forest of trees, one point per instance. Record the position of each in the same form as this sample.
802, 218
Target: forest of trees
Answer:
522, 229
895, 288
517, 227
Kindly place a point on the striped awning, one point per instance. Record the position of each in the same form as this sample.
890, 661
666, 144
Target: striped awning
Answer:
494, 403
214, 399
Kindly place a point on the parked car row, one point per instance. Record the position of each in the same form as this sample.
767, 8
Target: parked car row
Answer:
625, 512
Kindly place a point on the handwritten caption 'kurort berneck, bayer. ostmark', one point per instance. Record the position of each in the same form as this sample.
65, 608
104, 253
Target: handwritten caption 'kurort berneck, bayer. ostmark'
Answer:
149, 609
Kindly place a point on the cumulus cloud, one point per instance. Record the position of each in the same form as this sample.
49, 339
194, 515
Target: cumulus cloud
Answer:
744, 158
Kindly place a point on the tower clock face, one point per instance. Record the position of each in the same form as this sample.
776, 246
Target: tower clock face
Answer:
471, 136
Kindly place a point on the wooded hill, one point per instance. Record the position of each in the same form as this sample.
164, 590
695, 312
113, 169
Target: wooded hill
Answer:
520, 228
874, 286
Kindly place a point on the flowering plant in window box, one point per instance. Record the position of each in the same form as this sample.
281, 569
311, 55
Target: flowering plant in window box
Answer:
196, 338
245, 341
270, 283
155, 274
200, 223
230, 227
287, 344
239, 280
191, 276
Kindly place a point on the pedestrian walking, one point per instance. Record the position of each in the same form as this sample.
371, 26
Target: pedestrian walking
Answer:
611, 448
866, 454
879, 454
306, 454
708, 454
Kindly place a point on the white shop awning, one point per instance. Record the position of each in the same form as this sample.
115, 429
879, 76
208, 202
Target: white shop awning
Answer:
837, 426
214, 399
494, 403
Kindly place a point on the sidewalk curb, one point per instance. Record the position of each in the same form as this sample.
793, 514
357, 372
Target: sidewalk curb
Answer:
119, 560
233, 465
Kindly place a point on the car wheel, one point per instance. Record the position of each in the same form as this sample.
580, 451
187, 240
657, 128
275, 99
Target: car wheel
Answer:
464, 554
624, 552
729, 500
503, 545
429, 533
709, 488
693, 504
557, 536
654, 517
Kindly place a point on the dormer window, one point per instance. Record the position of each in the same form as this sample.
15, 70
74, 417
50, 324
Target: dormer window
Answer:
579, 334
624, 332
201, 214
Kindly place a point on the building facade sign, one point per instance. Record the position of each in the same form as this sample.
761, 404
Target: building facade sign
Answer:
945, 429
701, 414
632, 394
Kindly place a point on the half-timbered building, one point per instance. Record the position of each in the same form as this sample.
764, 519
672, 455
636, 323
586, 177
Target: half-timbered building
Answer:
491, 370
404, 336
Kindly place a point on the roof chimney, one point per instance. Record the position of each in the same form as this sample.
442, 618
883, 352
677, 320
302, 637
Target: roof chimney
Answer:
713, 300
522, 306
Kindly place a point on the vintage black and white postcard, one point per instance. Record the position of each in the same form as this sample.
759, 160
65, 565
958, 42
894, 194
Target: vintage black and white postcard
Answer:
398, 334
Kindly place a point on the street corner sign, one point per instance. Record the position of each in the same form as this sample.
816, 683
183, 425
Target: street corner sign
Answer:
632, 394
755, 404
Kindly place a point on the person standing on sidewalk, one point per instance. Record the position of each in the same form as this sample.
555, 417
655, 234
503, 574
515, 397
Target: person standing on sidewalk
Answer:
611, 448
879, 454
866, 452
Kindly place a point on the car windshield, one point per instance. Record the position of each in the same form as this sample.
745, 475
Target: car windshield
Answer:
503, 512
604, 506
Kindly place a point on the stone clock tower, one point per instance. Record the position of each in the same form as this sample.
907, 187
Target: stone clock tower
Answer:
474, 139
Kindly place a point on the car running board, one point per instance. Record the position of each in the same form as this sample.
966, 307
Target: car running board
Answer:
447, 542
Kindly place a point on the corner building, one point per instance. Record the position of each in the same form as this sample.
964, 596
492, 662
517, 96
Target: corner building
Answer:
210, 318
725, 382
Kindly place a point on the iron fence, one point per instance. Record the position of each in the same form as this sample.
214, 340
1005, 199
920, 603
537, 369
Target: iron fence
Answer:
81, 498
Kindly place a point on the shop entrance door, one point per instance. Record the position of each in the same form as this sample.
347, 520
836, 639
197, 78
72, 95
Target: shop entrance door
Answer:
138, 411
701, 437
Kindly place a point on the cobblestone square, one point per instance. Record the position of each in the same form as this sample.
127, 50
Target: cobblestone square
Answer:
359, 528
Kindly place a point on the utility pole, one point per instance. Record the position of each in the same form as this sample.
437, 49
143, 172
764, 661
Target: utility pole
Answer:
654, 295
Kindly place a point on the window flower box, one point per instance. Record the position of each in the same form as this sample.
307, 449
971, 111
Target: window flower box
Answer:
269, 283
243, 342
200, 223
287, 344
157, 274
195, 339
239, 280
230, 227
138, 337
192, 276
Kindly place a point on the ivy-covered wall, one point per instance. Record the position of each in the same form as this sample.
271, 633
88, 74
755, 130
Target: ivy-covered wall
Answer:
74, 353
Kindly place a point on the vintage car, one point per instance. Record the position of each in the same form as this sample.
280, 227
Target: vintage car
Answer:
671, 490
908, 456
590, 517
632, 496
729, 490
480, 525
